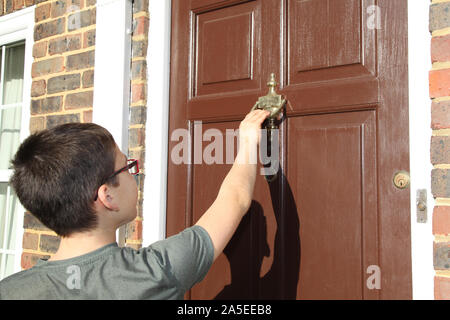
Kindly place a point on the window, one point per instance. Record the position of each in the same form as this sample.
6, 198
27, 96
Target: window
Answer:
11, 89
16, 40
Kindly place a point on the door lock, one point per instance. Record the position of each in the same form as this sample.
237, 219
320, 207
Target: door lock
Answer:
401, 180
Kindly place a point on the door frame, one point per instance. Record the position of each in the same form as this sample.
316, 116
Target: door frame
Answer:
157, 128
421, 235
420, 133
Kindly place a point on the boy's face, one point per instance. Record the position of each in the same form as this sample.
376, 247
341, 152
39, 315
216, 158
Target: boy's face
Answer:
126, 193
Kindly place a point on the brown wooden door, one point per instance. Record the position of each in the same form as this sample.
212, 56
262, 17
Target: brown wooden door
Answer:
333, 211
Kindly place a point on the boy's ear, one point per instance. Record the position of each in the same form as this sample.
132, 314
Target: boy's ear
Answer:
106, 198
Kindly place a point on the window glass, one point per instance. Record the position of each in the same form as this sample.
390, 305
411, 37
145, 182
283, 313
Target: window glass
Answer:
13, 76
3, 192
11, 109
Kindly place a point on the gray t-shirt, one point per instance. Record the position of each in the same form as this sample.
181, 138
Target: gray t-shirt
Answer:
163, 270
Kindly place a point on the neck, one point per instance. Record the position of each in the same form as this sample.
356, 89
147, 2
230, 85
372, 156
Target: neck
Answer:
81, 243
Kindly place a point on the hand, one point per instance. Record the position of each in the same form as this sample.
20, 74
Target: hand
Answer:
250, 127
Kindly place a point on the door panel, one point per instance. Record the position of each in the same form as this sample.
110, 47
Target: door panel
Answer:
332, 212
333, 176
226, 58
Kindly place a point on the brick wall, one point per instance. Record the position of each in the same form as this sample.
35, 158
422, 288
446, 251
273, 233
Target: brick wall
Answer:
9, 6
439, 80
62, 91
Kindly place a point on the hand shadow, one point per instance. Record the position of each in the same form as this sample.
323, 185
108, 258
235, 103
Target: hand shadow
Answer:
250, 242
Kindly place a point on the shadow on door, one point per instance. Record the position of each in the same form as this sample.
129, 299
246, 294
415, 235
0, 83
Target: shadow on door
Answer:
281, 281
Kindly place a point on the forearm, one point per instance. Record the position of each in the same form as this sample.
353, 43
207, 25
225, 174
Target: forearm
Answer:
236, 192
232, 202
239, 183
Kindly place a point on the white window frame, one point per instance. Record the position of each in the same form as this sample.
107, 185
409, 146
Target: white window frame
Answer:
156, 141
19, 26
113, 57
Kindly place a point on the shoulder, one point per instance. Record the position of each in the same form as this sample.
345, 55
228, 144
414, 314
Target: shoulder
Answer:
192, 239
20, 284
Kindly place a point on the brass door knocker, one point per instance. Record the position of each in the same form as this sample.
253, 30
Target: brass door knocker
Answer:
274, 103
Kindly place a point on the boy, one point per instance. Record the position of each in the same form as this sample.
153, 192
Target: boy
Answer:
78, 183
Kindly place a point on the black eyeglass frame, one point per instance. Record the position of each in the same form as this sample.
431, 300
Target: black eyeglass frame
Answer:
133, 163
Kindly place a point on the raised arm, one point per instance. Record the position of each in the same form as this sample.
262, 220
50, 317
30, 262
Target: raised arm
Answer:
235, 195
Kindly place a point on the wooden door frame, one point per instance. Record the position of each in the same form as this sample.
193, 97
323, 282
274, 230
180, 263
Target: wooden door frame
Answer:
418, 279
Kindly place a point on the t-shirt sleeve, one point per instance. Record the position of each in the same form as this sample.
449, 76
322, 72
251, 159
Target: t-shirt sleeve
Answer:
188, 255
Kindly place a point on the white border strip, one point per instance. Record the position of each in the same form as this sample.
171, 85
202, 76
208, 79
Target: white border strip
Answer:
156, 145
419, 136
155, 190
112, 73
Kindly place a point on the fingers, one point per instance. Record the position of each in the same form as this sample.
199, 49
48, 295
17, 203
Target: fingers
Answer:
257, 115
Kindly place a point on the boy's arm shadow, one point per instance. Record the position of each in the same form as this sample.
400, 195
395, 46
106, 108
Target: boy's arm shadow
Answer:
280, 282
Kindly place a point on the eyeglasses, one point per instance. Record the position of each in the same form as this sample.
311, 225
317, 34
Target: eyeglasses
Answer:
132, 167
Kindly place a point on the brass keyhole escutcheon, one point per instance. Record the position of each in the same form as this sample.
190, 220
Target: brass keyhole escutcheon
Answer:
401, 180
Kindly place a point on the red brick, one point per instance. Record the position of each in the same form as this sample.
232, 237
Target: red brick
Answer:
440, 115
63, 83
31, 222
89, 38
440, 149
81, 19
30, 259
141, 26
439, 83
9, 6
441, 220
47, 66
49, 243
88, 79
30, 241
53, 121
46, 105
441, 288
134, 230
440, 49
40, 49
18, 4
42, 12
140, 5
87, 116
80, 61
79, 100
48, 29
139, 70
440, 183
138, 92
38, 88
37, 124
64, 44
136, 137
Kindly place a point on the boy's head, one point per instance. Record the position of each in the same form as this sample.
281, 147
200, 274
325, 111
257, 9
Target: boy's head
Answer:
59, 172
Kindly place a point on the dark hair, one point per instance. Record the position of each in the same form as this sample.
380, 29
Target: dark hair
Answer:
57, 173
